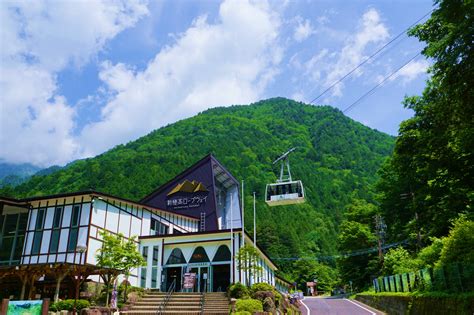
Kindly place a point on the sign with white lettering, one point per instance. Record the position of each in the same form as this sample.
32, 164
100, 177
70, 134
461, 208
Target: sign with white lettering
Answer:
188, 194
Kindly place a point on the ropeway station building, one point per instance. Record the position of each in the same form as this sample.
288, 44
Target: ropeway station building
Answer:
192, 223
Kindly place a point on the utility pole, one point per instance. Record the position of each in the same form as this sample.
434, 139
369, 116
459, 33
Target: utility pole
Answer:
243, 215
417, 219
380, 228
231, 240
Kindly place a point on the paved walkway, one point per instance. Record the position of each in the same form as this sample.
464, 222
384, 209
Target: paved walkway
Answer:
335, 306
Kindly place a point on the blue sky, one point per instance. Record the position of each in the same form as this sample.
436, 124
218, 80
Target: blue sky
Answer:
78, 78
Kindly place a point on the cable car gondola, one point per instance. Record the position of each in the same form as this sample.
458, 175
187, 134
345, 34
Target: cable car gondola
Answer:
285, 191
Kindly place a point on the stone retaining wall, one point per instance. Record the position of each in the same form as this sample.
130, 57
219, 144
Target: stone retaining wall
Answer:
410, 305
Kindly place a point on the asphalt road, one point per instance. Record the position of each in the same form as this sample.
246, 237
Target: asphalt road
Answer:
335, 306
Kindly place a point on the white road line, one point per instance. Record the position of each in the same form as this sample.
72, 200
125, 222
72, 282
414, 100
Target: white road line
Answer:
306, 306
360, 306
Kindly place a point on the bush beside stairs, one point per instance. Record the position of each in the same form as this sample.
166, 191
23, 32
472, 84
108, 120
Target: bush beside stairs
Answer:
180, 304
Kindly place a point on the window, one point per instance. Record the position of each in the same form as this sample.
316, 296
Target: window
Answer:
56, 232
199, 255
158, 228
38, 234
222, 254
12, 239
57, 217
40, 219
35, 249
72, 242
75, 215
154, 270
143, 270
76, 211
176, 257
53, 246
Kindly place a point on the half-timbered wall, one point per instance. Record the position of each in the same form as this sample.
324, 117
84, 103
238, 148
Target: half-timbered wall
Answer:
54, 231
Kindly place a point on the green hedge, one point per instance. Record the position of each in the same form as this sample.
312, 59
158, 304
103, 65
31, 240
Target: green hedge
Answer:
238, 291
68, 305
249, 305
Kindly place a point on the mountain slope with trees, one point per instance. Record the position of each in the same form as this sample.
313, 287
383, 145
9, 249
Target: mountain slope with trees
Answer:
336, 158
426, 188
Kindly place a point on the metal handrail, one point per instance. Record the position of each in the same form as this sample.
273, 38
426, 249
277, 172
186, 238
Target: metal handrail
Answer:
203, 294
163, 304
202, 303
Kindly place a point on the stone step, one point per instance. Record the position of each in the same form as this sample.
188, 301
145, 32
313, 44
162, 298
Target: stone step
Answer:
164, 312
159, 300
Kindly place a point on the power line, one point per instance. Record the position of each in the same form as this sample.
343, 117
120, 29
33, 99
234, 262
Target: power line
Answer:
368, 58
343, 255
379, 84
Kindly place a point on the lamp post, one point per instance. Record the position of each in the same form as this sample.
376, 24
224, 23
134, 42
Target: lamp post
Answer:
254, 222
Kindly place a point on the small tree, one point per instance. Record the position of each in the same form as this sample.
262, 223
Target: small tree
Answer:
119, 256
247, 258
131, 259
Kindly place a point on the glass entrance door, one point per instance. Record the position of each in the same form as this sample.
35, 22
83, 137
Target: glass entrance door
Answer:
202, 283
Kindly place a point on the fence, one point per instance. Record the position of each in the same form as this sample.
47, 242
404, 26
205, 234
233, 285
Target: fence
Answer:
450, 278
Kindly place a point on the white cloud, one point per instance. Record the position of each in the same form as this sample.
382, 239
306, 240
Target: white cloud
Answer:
227, 62
40, 39
412, 71
326, 68
303, 30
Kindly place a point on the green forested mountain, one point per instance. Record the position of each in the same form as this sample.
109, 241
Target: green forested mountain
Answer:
13, 174
336, 158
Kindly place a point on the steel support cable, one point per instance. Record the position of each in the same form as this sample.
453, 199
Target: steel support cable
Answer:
379, 84
368, 58
349, 254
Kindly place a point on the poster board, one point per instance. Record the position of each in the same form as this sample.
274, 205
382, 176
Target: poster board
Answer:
189, 280
32, 307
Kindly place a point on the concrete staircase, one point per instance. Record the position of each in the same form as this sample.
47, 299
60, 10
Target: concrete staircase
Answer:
178, 304
216, 303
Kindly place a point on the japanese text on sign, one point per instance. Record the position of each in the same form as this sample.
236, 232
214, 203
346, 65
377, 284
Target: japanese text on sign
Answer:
186, 202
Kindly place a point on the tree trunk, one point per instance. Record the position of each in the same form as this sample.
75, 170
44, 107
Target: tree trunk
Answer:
107, 295
125, 291
58, 286
23, 289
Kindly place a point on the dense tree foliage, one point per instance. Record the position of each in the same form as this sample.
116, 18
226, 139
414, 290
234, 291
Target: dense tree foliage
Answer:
458, 246
431, 173
305, 270
336, 158
357, 268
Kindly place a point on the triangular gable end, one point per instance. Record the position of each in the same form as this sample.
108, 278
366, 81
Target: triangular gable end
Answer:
193, 193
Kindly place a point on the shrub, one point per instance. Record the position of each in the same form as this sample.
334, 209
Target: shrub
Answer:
456, 245
269, 305
68, 305
262, 295
398, 260
262, 287
249, 305
257, 288
242, 313
429, 255
238, 291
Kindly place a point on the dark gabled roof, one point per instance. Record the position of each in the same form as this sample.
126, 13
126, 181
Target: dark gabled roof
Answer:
181, 175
